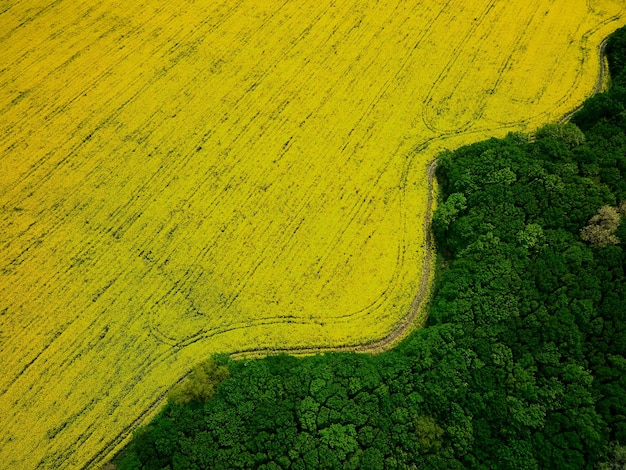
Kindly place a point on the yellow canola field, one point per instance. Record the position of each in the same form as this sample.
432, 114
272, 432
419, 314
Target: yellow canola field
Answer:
180, 178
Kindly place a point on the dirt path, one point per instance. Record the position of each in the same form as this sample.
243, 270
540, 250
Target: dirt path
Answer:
599, 83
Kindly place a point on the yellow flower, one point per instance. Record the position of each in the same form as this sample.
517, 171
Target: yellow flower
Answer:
177, 180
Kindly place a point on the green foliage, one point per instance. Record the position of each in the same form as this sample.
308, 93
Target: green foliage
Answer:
616, 458
447, 212
568, 133
429, 434
202, 381
339, 437
531, 236
600, 231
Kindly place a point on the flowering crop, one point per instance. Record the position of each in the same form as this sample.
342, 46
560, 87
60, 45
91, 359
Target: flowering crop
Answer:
180, 178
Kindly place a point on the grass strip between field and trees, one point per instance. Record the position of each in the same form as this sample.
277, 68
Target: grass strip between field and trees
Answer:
523, 360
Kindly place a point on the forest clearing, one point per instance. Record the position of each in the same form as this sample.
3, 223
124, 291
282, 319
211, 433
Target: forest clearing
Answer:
234, 176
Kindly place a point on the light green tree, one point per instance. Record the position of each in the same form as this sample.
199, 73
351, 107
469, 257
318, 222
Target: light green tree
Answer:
600, 231
201, 383
429, 433
567, 133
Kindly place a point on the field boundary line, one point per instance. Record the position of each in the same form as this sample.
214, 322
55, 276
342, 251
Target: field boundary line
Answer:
599, 83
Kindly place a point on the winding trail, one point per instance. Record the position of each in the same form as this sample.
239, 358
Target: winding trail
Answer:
599, 83
402, 328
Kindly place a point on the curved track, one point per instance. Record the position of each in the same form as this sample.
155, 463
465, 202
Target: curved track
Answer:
599, 84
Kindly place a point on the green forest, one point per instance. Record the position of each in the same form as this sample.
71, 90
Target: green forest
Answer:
522, 364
